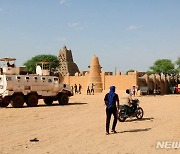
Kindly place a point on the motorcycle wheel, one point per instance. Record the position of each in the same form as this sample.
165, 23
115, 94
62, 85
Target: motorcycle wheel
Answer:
139, 113
121, 116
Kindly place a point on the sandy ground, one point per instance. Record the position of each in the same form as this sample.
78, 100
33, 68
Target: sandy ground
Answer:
80, 127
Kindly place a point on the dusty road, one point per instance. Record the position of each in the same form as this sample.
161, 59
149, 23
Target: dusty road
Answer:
80, 127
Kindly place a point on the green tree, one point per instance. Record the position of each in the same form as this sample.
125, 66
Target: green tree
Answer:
177, 70
131, 70
178, 65
149, 72
163, 66
31, 64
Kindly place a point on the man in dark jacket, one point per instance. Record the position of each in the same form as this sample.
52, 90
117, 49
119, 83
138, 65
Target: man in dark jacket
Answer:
112, 106
75, 89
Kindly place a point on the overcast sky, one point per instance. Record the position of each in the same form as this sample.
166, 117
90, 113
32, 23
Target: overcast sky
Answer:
127, 34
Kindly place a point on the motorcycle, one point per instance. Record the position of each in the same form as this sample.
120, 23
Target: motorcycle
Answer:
134, 111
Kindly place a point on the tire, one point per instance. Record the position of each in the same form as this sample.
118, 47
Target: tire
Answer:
48, 101
4, 103
17, 101
32, 100
63, 99
139, 113
121, 116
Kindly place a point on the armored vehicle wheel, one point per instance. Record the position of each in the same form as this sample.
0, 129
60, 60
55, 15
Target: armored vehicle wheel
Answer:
4, 103
48, 101
63, 99
32, 100
17, 101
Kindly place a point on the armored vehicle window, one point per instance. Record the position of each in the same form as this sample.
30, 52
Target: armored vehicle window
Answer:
55, 79
8, 78
0, 79
43, 78
49, 80
35, 78
18, 77
27, 77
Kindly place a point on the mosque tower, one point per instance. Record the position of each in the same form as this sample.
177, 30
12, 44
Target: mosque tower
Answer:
67, 64
94, 75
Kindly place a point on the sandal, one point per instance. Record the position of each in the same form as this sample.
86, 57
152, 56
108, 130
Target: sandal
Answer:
113, 130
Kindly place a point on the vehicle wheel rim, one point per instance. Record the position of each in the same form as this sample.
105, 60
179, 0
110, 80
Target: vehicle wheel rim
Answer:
139, 113
121, 116
64, 99
18, 101
32, 101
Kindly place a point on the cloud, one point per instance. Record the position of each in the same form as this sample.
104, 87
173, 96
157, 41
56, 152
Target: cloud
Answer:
134, 27
75, 25
62, 2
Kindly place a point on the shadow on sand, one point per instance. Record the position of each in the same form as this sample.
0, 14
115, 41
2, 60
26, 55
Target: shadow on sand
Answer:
55, 104
76, 103
143, 119
135, 130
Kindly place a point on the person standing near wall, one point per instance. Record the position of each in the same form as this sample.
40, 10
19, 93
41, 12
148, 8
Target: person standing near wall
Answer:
92, 88
88, 91
75, 89
159, 91
134, 90
154, 92
72, 89
80, 87
112, 106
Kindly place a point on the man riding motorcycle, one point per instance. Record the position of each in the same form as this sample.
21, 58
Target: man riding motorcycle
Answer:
126, 100
129, 108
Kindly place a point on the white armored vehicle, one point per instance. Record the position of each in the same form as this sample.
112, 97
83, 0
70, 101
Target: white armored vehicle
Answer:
18, 89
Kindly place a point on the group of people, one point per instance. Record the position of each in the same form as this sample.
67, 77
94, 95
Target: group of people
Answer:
90, 89
76, 89
154, 92
111, 100
10, 65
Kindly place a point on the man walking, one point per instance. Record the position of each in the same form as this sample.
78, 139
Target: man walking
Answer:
88, 91
80, 87
112, 106
75, 88
92, 88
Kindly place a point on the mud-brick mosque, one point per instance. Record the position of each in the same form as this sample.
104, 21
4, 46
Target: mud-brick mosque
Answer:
103, 80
